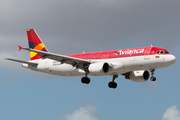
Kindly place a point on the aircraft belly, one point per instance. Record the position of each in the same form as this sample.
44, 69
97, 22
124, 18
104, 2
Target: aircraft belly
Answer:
65, 70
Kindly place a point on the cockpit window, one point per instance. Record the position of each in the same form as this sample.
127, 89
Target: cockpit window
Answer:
162, 52
166, 52
158, 52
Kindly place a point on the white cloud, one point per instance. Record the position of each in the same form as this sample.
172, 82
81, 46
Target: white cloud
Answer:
171, 113
84, 113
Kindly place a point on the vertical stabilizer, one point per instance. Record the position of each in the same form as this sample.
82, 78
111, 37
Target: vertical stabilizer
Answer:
35, 43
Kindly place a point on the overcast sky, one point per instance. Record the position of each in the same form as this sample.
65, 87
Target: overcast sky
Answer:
74, 26
77, 25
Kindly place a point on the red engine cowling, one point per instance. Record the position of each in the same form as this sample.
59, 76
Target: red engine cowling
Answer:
100, 67
138, 76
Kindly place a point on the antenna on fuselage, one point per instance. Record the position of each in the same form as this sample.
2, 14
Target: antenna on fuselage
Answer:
151, 45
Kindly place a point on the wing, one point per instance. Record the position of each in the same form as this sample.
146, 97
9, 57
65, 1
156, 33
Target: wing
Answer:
75, 62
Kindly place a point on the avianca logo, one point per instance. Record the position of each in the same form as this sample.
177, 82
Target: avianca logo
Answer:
130, 52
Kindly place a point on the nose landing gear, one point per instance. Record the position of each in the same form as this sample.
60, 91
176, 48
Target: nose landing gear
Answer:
152, 77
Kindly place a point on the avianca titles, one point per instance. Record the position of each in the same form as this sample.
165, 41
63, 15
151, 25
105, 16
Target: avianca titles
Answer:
136, 64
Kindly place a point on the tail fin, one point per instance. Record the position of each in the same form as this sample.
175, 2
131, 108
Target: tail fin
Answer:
35, 43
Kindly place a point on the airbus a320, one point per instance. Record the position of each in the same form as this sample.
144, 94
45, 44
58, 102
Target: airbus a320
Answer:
134, 63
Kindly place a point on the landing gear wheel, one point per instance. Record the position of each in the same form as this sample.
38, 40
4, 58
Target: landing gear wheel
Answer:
153, 78
112, 85
85, 80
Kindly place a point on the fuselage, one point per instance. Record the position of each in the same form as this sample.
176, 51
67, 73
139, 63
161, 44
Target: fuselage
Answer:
121, 61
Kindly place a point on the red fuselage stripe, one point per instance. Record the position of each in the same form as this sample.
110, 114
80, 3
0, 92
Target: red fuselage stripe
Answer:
120, 53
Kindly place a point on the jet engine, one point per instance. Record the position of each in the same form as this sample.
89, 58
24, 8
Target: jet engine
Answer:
99, 67
138, 76
116, 65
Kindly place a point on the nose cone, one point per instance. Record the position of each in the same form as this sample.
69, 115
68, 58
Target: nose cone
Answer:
171, 59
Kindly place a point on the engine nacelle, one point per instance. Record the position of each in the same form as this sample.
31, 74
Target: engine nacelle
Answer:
99, 67
116, 65
138, 76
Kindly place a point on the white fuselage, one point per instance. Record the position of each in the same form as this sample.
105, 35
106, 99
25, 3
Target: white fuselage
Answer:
118, 65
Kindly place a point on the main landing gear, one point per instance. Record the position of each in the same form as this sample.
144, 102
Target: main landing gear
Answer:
85, 80
152, 77
113, 84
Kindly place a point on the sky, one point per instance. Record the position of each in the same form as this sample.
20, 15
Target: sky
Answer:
74, 26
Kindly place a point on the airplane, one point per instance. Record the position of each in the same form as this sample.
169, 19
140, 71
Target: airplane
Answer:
133, 63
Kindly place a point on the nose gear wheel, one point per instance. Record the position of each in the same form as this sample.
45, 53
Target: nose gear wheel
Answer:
152, 77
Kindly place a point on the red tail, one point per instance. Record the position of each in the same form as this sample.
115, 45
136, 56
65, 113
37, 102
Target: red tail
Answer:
35, 43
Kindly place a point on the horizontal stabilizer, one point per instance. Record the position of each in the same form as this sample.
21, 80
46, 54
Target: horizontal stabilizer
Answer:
20, 61
19, 48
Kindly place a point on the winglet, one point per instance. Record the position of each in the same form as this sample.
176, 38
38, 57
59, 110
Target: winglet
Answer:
20, 48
